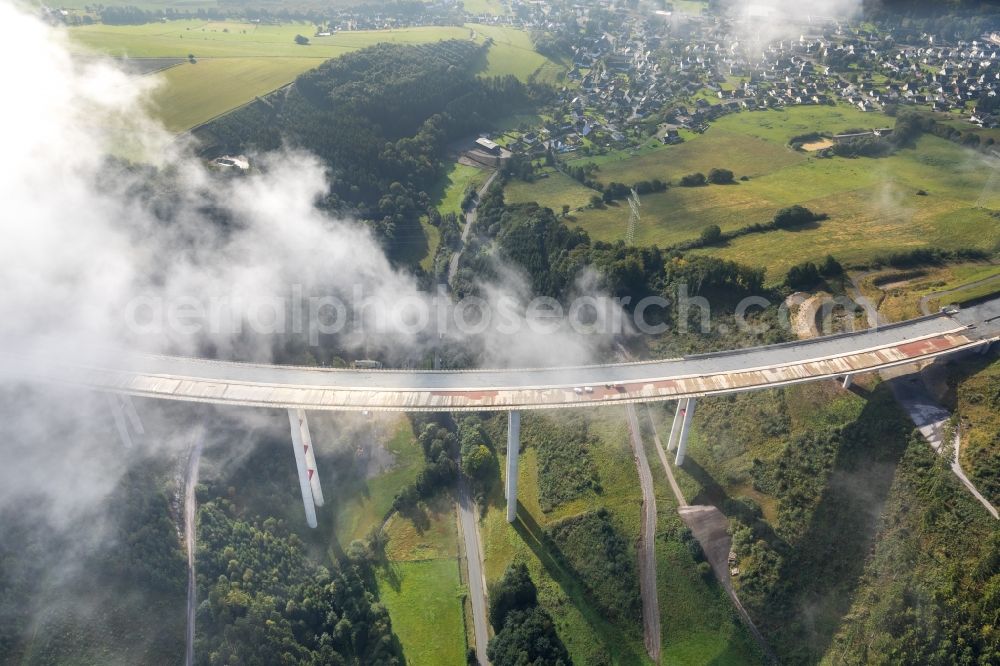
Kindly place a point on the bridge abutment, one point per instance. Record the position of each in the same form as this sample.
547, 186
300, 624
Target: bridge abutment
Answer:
513, 451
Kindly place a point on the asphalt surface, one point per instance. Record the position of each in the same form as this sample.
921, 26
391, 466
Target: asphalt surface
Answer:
474, 561
220, 382
647, 542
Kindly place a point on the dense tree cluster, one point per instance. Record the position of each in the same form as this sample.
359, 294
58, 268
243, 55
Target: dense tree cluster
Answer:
565, 468
525, 633
807, 274
438, 439
382, 119
266, 602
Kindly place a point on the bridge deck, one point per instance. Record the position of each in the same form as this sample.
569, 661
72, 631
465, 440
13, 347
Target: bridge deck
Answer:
222, 382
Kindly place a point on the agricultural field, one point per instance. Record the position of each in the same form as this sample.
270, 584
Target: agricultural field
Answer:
686, 600
232, 39
553, 189
492, 7
191, 94
236, 62
873, 204
513, 53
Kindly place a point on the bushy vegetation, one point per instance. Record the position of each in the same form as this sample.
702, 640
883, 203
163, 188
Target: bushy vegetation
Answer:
978, 404
807, 274
554, 256
798, 575
439, 441
602, 560
565, 470
525, 633
931, 592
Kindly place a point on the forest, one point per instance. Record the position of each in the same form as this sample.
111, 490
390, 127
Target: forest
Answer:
382, 119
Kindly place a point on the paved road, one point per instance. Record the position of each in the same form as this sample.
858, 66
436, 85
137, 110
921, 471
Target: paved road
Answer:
196, 380
925, 300
474, 560
647, 542
190, 510
931, 419
470, 220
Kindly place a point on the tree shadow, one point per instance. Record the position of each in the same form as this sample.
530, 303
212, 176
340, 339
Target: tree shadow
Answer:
821, 572
568, 580
715, 495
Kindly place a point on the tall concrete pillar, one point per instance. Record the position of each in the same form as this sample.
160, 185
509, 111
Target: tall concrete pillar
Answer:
513, 451
300, 465
307, 445
133, 416
115, 405
685, 432
675, 429
848, 380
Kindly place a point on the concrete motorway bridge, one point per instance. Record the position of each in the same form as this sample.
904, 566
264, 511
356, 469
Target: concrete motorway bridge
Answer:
298, 389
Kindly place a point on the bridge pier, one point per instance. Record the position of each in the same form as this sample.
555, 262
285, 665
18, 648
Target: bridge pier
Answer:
675, 428
848, 380
118, 413
123, 411
513, 451
685, 431
307, 446
305, 484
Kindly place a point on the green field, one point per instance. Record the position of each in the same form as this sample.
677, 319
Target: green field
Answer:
235, 39
191, 94
872, 203
553, 189
239, 61
360, 503
513, 53
459, 177
423, 599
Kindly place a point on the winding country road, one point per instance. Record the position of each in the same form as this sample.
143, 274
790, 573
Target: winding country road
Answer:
474, 561
647, 542
470, 220
190, 510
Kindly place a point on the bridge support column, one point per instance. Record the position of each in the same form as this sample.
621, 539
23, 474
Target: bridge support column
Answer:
848, 380
307, 446
513, 451
675, 428
685, 431
133, 416
115, 405
985, 349
305, 485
